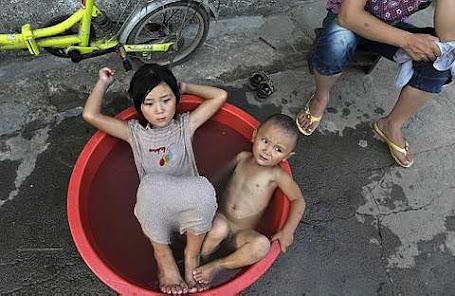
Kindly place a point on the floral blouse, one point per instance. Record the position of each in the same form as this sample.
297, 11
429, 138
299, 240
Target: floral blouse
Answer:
390, 11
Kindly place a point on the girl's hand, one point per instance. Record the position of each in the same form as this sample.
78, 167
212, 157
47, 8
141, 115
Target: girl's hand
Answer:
182, 87
106, 75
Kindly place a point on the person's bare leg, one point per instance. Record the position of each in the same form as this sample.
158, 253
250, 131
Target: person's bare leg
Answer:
251, 247
408, 103
444, 22
219, 231
319, 101
192, 254
171, 282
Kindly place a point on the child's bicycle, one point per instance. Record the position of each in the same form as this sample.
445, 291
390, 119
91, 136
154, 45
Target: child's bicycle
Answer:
156, 31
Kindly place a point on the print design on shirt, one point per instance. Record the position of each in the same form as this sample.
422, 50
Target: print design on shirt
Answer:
167, 155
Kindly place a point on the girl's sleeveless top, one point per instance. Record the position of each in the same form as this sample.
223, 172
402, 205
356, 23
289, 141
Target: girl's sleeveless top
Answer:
166, 150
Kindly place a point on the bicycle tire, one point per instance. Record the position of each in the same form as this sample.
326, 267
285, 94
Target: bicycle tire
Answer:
172, 57
60, 52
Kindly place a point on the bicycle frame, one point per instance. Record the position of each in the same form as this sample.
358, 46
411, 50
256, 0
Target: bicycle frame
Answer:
47, 37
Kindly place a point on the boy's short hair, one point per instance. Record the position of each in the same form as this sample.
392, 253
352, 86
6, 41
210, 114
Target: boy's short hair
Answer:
286, 123
146, 78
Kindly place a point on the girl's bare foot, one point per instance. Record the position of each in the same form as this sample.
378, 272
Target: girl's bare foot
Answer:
171, 282
191, 262
205, 273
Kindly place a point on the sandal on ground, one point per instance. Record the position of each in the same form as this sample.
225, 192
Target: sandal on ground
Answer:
256, 78
393, 146
264, 90
309, 116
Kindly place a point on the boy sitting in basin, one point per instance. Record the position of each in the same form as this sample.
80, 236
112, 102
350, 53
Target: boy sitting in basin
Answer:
255, 177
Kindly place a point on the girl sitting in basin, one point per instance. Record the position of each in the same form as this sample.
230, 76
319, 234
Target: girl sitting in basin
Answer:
171, 194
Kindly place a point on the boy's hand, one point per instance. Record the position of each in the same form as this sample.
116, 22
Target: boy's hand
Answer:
106, 75
284, 238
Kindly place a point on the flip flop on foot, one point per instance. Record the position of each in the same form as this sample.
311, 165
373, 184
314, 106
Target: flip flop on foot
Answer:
306, 112
394, 147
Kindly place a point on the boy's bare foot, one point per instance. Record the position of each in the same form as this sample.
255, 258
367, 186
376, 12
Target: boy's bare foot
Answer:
205, 273
193, 286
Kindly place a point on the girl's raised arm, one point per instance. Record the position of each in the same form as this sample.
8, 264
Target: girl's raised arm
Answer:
214, 98
92, 109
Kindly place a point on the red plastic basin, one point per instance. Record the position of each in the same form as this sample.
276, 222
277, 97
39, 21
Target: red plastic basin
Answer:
102, 193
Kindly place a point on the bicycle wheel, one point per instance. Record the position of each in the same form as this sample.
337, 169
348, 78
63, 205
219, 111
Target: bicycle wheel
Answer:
186, 23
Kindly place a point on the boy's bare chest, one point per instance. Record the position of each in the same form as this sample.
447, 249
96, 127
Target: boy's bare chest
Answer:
249, 193
253, 179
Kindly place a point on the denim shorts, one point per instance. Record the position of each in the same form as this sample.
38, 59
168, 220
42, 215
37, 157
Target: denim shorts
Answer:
336, 45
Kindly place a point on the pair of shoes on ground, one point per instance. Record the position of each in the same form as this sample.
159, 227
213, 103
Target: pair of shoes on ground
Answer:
392, 146
262, 84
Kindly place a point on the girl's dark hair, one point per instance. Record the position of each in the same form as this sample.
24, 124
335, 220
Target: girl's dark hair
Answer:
147, 78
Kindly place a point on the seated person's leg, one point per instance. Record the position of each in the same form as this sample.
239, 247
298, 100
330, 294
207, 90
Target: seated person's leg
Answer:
329, 57
425, 81
334, 47
251, 246
426, 78
444, 20
220, 231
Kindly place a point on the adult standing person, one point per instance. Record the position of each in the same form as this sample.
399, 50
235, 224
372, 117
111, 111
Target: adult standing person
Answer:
381, 25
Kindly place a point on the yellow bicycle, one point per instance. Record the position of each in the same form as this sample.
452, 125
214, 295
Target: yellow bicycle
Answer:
156, 31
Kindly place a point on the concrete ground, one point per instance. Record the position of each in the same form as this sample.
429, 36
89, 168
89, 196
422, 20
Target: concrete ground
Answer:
370, 228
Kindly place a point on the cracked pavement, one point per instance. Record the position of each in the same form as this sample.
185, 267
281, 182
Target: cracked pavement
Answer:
371, 227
